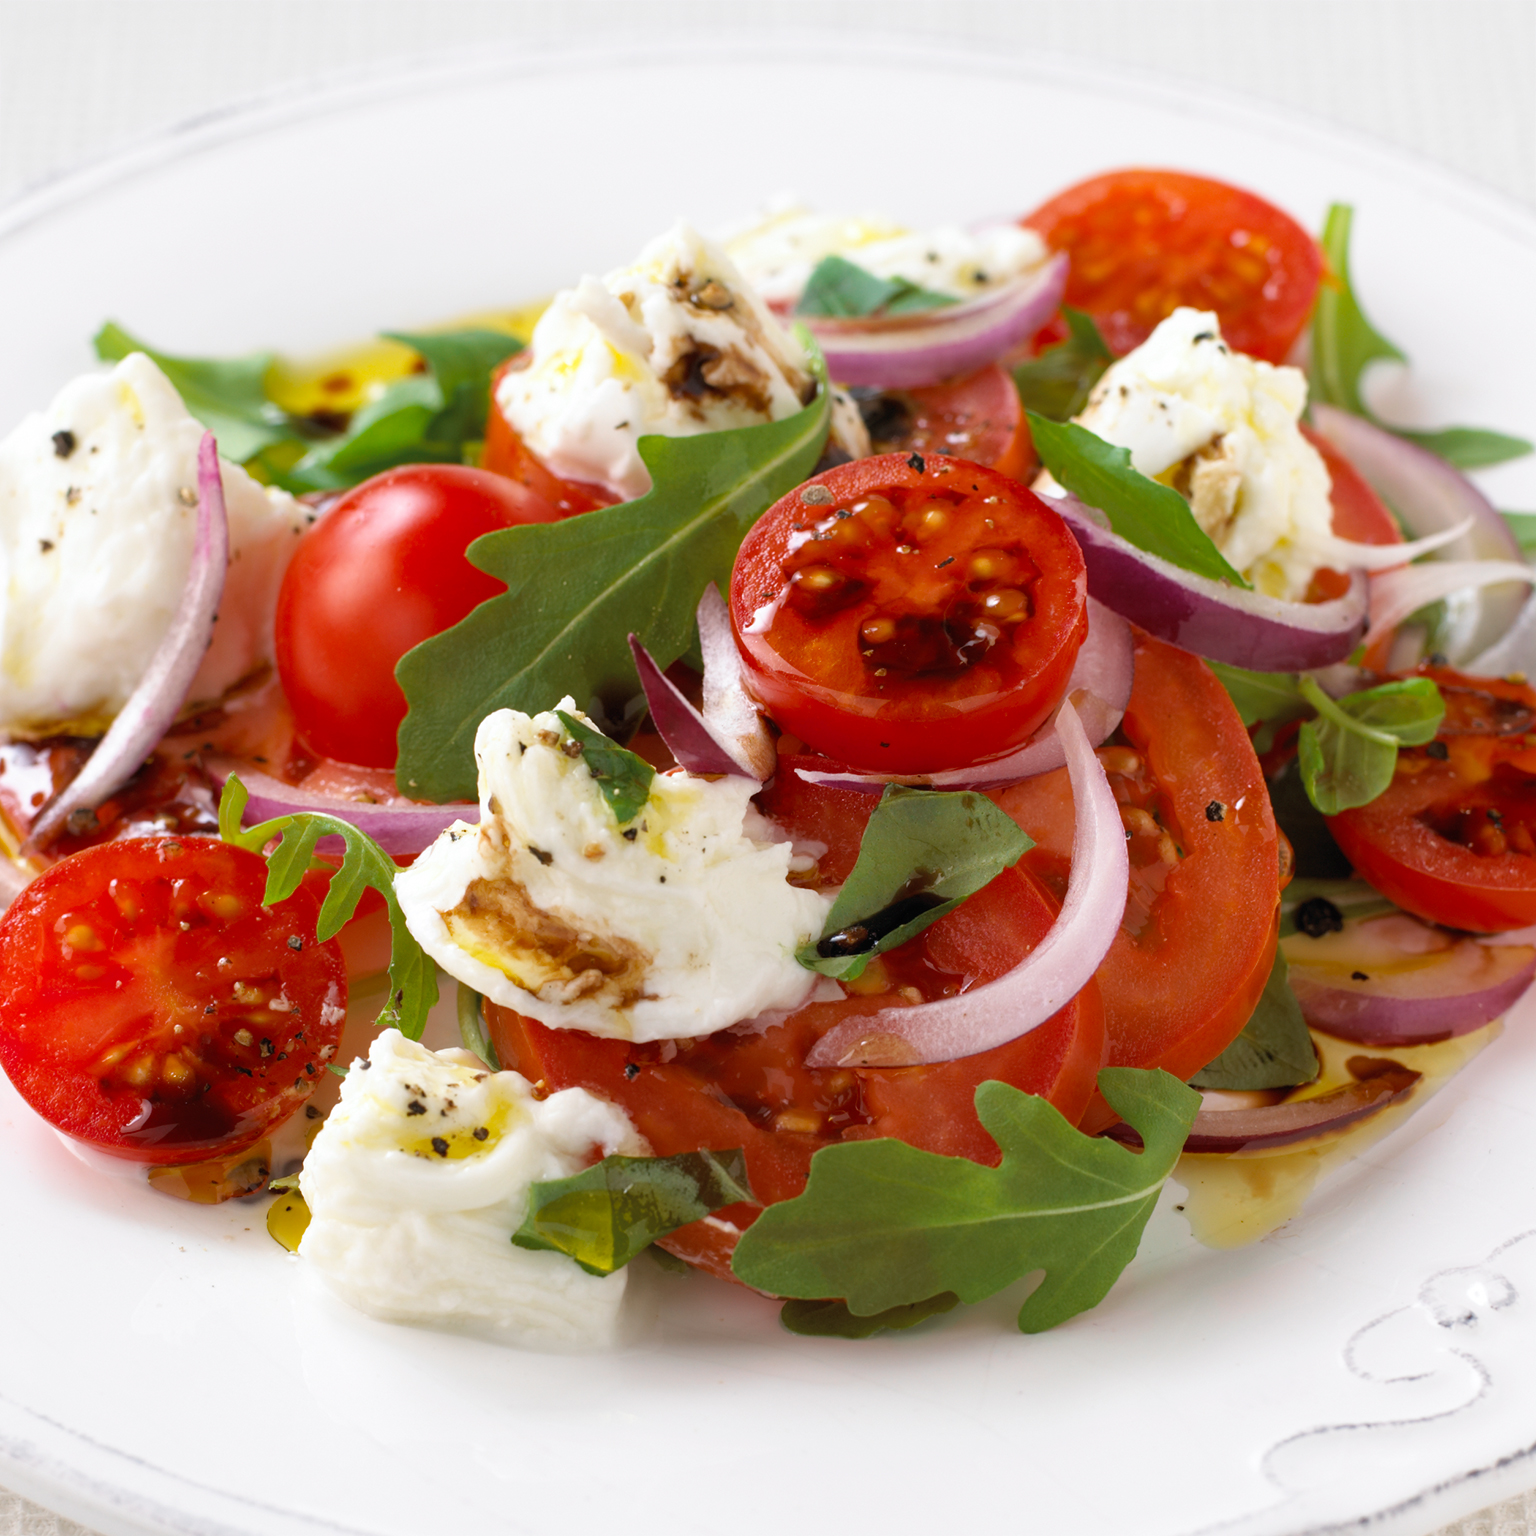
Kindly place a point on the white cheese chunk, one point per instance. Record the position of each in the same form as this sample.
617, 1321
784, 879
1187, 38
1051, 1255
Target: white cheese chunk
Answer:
678, 924
1224, 430
674, 345
779, 249
98, 511
419, 1177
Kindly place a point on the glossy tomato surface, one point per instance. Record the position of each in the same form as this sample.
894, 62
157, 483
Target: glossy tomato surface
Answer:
382, 572
754, 1090
978, 417
1144, 242
152, 1006
1453, 838
1197, 941
909, 614
505, 453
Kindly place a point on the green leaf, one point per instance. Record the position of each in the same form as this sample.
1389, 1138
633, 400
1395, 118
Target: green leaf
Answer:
923, 852
840, 290
881, 1224
606, 1214
1523, 526
1271, 696
472, 1027
578, 588
1275, 1048
833, 1320
1348, 754
412, 976
1152, 516
227, 395
1344, 344
461, 359
1057, 384
1352, 901
623, 778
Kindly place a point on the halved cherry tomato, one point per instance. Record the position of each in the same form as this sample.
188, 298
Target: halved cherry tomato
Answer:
505, 453
909, 614
384, 571
1198, 938
978, 417
754, 1091
1453, 838
152, 1006
1144, 242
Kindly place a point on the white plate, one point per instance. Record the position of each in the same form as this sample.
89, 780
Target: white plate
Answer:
166, 1369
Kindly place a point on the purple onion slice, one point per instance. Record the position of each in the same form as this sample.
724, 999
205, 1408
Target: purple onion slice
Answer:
1396, 594
677, 722
153, 705
909, 351
1041, 984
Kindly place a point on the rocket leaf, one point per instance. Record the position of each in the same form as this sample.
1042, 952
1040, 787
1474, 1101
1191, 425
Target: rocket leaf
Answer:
882, 1225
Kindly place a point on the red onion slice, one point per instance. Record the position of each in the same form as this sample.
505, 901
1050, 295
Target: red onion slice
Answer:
1210, 618
677, 722
153, 705
1396, 594
1041, 984
1099, 688
908, 351
399, 828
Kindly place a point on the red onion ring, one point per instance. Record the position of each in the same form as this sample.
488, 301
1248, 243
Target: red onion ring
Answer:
1396, 594
1099, 688
908, 351
1210, 618
1041, 984
677, 722
153, 705
401, 827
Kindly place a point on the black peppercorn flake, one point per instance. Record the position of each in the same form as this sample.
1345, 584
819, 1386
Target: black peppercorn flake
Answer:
1216, 811
64, 443
440, 1146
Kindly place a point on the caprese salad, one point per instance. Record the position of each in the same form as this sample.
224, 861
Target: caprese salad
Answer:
892, 737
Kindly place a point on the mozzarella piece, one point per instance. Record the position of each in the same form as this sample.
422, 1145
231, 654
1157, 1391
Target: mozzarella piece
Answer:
98, 511
419, 1177
674, 345
1223, 429
777, 252
674, 926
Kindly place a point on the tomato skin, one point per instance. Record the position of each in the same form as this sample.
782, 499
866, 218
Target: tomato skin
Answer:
754, 1091
978, 417
505, 453
1144, 242
122, 970
1195, 949
908, 705
1483, 790
384, 571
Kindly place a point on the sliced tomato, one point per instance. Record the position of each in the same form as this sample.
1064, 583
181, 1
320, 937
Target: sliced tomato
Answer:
1144, 242
505, 453
909, 614
1198, 938
978, 417
1453, 838
754, 1091
152, 1006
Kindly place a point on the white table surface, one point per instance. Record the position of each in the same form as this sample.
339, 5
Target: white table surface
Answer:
1449, 80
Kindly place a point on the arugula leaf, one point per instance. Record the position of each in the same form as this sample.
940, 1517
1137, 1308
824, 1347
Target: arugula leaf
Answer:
1269, 696
576, 589
624, 778
833, 1320
1345, 344
227, 395
1275, 1048
606, 1214
923, 852
884, 1225
472, 1026
1152, 516
838, 289
412, 976
1523, 526
1058, 382
1352, 901
1348, 754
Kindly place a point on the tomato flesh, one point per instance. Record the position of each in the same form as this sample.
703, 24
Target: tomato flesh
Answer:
1144, 242
909, 614
385, 570
1453, 838
1197, 941
978, 417
152, 1006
